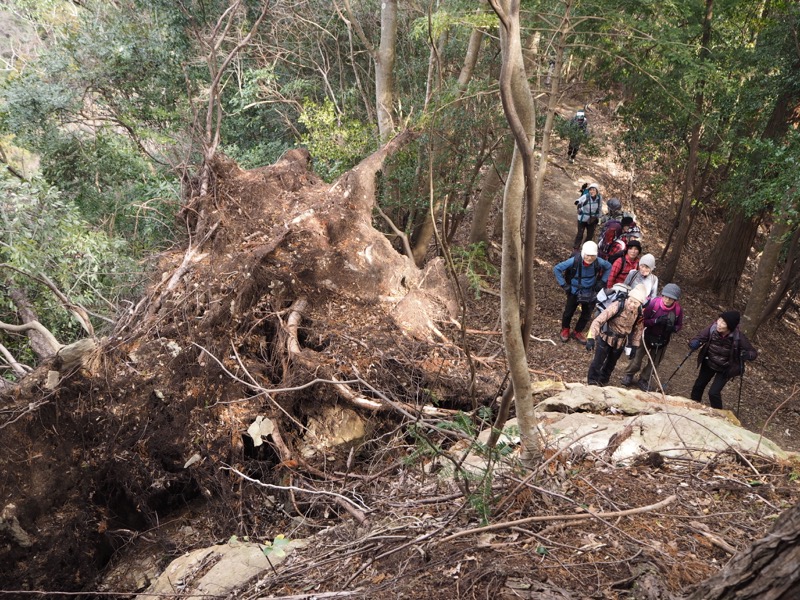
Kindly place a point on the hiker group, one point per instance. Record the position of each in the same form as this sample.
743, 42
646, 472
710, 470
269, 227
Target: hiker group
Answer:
616, 290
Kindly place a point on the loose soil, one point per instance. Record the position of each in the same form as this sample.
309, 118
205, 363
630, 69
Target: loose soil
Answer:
96, 471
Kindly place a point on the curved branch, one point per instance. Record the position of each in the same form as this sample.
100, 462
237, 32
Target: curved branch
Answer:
51, 340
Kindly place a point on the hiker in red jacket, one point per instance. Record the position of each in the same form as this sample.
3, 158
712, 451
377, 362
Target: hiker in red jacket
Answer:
625, 264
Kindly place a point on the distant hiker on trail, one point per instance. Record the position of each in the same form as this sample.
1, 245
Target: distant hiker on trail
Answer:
578, 132
588, 204
723, 350
581, 277
663, 316
618, 326
625, 264
645, 275
612, 212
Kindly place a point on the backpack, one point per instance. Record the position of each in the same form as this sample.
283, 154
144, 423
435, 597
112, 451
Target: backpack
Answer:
620, 302
619, 292
609, 233
617, 251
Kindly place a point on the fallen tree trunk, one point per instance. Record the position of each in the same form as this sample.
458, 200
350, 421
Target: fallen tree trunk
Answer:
767, 570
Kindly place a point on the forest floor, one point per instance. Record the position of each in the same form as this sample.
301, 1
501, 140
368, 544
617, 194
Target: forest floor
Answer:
109, 498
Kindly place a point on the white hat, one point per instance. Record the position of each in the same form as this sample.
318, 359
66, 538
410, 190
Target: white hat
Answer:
639, 293
588, 249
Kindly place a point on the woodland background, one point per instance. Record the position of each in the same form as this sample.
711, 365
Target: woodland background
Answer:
120, 121
111, 110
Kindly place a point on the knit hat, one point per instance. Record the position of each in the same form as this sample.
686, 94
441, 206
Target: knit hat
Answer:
614, 204
627, 221
593, 185
588, 249
731, 318
638, 293
671, 290
648, 260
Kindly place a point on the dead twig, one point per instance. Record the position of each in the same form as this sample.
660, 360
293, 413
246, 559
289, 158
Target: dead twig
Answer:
545, 518
358, 506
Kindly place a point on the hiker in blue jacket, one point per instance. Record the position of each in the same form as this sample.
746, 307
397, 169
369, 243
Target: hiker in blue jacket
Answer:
581, 277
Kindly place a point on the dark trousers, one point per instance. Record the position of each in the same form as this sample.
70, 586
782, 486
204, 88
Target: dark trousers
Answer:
605, 359
584, 227
656, 354
572, 151
715, 392
569, 312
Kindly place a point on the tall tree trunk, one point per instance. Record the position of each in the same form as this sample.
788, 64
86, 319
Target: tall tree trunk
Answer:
423, 234
790, 269
762, 280
673, 256
518, 107
384, 70
729, 256
784, 114
491, 183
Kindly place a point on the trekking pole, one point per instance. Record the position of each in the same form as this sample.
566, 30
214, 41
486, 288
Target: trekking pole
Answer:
741, 379
679, 367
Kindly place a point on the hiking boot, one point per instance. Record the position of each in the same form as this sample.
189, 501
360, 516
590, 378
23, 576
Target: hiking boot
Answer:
627, 381
644, 386
565, 334
577, 336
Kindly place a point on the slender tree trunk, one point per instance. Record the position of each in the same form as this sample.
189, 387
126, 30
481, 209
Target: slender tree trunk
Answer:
471, 57
789, 271
762, 280
687, 192
384, 70
423, 234
491, 184
783, 115
518, 107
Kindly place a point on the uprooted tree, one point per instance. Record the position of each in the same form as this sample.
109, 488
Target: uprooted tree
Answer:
247, 329
256, 317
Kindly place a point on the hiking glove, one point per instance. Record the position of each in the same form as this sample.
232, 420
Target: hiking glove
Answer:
590, 344
633, 352
695, 344
662, 320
